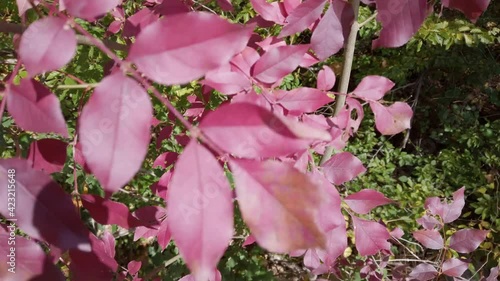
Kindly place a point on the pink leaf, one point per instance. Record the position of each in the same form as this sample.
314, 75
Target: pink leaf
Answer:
244, 61
28, 260
471, 8
326, 79
279, 204
160, 187
48, 155
393, 119
327, 38
228, 83
89, 9
431, 239
268, 11
370, 236
165, 159
373, 87
46, 212
133, 267
138, 21
109, 243
97, 265
364, 201
397, 233
429, 222
342, 167
345, 13
173, 58
163, 236
114, 130
225, 5
35, 108
400, 19
105, 211
200, 210
493, 274
467, 240
278, 62
448, 212
330, 215
302, 100
23, 6
248, 130
249, 240
215, 276
48, 44
424, 272
302, 17
454, 267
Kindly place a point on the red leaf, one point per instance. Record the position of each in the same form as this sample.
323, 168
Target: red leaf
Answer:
28, 260
279, 204
164, 134
448, 212
326, 79
493, 274
114, 130
278, 62
302, 17
431, 239
35, 108
454, 267
45, 212
342, 167
302, 100
105, 211
48, 44
138, 21
373, 87
370, 236
225, 5
393, 119
364, 201
97, 265
400, 19
200, 210
89, 9
471, 8
174, 58
467, 240
248, 130
48, 155
424, 272
327, 38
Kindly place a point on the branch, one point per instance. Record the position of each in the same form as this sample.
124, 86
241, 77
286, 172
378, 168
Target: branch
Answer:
7, 27
346, 72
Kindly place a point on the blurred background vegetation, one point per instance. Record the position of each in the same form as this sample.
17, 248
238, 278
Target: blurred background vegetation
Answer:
449, 73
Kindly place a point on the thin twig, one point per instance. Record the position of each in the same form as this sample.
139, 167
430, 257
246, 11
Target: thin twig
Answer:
368, 19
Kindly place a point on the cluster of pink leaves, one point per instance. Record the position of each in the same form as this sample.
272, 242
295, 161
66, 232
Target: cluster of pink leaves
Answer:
265, 138
463, 241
